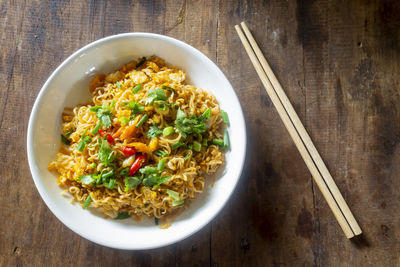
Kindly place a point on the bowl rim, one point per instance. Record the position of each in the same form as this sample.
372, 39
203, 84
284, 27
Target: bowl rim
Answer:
34, 117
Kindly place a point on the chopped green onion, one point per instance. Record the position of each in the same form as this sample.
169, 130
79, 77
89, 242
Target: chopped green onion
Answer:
112, 104
224, 116
161, 164
110, 184
161, 153
168, 130
69, 132
124, 120
136, 89
124, 171
87, 139
196, 146
206, 114
142, 120
96, 128
65, 140
141, 62
95, 108
188, 155
177, 145
92, 165
226, 139
205, 143
118, 84
148, 170
218, 142
108, 174
87, 202
81, 146
176, 200
122, 216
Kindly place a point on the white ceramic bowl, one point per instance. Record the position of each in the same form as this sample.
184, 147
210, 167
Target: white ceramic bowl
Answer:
68, 86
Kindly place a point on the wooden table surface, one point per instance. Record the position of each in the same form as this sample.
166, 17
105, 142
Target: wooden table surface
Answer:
339, 63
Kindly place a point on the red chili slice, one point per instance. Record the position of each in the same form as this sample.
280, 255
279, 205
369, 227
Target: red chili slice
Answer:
137, 164
110, 139
128, 150
102, 133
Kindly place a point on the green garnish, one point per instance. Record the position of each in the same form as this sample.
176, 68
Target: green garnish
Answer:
123, 120
191, 125
124, 171
177, 145
81, 146
104, 114
226, 139
86, 179
196, 146
153, 131
168, 131
106, 155
225, 118
136, 107
168, 88
188, 155
136, 89
141, 62
65, 140
107, 174
118, 84
111, 184
218, 142
95, 108
92, 165
131, 182
205, 143
161, 164
176, 200
148, 170
156, 94
161, 153
142, 120
155, 180
96, 128
122, 216
87, 139
87, 202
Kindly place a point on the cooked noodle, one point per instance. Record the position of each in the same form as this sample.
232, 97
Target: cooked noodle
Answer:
185, 168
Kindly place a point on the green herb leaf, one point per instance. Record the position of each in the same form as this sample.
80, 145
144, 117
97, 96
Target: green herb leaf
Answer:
87, 202
148, 170
65, 140
95, 108
106, 154
122, 216
156, 94
136, 107
136, 89
107, 174
86, 179
191, 125
118, 84
161, 180
131, 182
111, 184
153, 131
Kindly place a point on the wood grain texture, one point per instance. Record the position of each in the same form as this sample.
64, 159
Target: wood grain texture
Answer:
339, 63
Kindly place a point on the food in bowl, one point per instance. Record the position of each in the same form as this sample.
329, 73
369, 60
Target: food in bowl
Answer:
144, 145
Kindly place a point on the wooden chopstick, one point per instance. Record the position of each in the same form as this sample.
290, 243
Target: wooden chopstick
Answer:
300, 136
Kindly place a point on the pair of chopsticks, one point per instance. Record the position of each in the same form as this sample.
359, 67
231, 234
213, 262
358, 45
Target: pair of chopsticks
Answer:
299, 135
